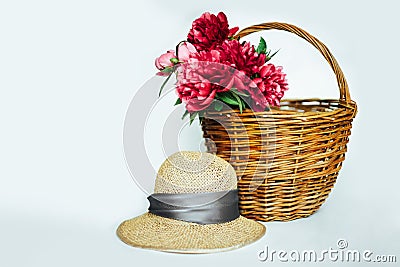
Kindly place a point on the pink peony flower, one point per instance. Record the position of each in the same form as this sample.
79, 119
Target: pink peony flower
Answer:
193, 89
208, 67
164, 60
229, 66
196, 80
209, 31
242, 57
211, 63
196, 95
185, 50
272, 83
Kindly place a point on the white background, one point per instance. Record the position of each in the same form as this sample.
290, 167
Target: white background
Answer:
68, 70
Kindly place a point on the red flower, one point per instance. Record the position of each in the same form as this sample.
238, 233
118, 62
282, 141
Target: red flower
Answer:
212, 67
219, 70
229, 66
196, 95
195, 92
244, 59
243, 56
209, 31
272, 83
193, 85
257, 100
213, 64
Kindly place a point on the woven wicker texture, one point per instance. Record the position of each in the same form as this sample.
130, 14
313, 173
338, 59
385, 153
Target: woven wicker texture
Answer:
287, 159
191, 172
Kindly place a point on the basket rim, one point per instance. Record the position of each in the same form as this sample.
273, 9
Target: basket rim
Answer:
321, 47
340, 106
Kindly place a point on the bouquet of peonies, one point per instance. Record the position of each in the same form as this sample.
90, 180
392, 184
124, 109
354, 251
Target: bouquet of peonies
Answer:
214, 68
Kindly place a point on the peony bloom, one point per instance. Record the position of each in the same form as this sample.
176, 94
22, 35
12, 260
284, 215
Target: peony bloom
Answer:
211, 63
219, 70
258, 101
272, 83
229, 66
195, 85
196, 95
232, 65
193, 89
207, 66
209, 31
185, 51
242, 57
164, 60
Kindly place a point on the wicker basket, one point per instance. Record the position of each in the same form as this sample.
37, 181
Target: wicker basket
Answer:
287, 159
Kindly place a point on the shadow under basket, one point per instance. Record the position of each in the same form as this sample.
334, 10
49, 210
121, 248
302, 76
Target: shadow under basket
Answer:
287, 159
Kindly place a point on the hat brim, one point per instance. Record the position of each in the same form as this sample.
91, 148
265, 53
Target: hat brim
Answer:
158, 233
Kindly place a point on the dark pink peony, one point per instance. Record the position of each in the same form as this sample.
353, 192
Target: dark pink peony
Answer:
242, 57
212, 63
194, 86
229, 66
257, 100
272, 83
209, 31
196, 95
210, 66
196, 92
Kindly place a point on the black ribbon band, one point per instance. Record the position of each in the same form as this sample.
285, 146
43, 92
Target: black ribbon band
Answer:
201, 208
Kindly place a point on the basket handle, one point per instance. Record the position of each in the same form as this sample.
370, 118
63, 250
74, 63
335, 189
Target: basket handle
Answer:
341, 80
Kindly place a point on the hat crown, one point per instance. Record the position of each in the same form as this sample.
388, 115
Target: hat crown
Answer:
194, 172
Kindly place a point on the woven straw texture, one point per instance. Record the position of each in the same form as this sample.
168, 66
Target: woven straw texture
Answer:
191, 172
154, 232
287, 159
194, 172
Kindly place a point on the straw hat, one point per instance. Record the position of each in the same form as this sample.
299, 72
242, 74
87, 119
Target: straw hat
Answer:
191, 176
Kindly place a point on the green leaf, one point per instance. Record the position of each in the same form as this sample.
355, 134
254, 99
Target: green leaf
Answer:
239, 102
178, 101
234, 90
262, 46
269, 57
164, 83
185, 114
192, 117
242, 103
218, 105
201, 115
228, 98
